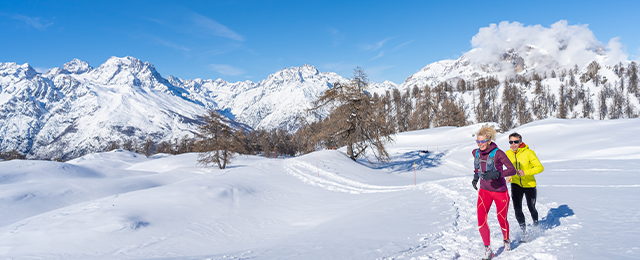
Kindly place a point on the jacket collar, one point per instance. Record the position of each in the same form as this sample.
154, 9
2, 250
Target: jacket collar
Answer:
522, 147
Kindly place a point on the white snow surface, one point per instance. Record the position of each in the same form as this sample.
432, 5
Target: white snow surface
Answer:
122, 205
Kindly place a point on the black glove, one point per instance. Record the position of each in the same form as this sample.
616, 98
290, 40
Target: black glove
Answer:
491, 175
475, 181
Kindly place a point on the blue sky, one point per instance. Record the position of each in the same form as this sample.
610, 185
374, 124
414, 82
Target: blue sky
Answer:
248, 40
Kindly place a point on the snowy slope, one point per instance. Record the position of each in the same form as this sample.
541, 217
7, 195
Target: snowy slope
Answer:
119, 205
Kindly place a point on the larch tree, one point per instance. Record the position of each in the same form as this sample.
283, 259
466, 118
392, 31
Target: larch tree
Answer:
562, 110
218, 141
353, 121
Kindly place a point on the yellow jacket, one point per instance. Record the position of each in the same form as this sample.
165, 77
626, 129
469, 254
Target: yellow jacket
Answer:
526, 160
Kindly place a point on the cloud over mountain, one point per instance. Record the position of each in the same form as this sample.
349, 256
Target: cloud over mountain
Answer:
544, 48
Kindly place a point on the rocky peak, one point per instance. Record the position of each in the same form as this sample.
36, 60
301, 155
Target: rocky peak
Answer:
511, 56
127, 71
18, 71
77, 66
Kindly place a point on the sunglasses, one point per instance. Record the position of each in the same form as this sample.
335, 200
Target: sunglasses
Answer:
482, 141
514, 142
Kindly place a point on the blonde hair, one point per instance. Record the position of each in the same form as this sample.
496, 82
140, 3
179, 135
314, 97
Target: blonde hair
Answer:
488, 131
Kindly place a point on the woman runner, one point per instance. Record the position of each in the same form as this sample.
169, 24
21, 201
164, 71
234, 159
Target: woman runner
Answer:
488, 164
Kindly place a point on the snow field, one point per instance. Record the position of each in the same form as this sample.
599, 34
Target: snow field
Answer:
122, 205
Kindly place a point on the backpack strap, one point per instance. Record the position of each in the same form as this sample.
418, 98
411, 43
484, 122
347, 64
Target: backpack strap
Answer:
476, 161
490, 165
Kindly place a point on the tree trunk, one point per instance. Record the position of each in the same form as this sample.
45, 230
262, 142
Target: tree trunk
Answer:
350, 151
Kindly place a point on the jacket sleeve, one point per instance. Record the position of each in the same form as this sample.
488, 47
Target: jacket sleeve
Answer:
504, 160
536, 166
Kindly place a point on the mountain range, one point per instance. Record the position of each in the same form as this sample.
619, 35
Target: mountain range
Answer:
70, 111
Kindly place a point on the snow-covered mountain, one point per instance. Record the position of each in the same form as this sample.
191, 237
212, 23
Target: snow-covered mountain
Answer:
274, 102
601, 78
510, 64
509, 48
67, 112
76, 109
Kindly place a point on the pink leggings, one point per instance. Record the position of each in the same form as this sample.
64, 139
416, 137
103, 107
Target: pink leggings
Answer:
485, 199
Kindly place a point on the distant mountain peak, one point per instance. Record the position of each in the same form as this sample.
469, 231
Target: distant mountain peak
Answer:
18, 71
77, 66
127, 71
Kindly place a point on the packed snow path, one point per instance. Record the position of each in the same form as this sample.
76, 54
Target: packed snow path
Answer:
459, 238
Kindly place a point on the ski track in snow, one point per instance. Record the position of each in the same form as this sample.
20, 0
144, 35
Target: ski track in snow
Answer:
314, 176
459, 238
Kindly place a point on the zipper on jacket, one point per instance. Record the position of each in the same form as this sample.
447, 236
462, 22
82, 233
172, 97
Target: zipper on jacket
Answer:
519, 177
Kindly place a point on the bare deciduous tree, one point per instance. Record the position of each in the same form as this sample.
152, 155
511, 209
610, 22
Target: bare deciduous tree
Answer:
113, 145
353, 120
148, 147
218, 141
12, 155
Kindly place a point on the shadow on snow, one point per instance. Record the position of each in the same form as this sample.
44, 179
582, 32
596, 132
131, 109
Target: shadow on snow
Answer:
404, 162
551, 221
553, 217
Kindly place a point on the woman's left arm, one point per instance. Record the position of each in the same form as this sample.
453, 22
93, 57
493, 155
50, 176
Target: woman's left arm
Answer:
504, 160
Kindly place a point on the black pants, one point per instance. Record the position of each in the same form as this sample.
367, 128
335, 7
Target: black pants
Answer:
516, 197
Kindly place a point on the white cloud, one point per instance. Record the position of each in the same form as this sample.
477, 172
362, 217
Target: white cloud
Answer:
615, 52
170, 44
401, 45
379, 55
376, 45
226, 69
335, 35
36, 22
213, 27
560, 45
